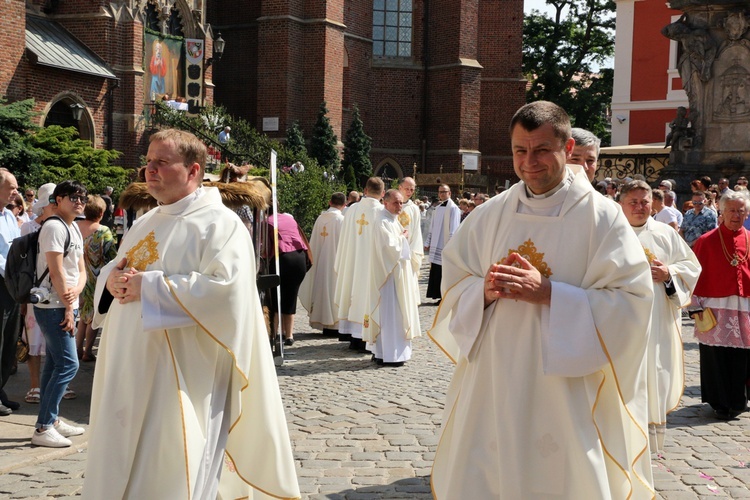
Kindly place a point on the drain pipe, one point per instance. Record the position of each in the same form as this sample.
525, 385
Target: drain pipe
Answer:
111, 112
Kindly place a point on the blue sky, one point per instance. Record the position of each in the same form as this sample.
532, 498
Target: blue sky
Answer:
528, 5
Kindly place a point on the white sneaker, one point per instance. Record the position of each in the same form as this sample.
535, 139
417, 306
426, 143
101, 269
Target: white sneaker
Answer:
67, 430
50, 438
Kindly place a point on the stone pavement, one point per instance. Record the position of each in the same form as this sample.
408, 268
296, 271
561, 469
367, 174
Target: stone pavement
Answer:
363, 432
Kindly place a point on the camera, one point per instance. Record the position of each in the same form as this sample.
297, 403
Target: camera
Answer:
39, 295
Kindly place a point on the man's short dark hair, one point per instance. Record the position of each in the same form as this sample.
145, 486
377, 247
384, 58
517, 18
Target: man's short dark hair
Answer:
66, 188
338, 199
535, 114
702, 194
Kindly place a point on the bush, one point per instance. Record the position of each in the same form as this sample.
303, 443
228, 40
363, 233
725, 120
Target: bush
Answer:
63, 156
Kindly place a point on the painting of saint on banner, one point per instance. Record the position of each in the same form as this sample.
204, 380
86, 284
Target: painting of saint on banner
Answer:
165, 75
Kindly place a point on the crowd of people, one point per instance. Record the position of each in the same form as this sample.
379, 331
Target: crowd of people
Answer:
573, 289
172, 372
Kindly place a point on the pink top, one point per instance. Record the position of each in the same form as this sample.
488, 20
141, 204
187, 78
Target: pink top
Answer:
289, 237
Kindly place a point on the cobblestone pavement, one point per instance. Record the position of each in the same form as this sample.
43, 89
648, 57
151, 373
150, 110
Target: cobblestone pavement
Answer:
363, 432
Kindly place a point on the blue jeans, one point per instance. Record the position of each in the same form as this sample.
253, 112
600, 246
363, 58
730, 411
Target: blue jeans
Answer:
60, 365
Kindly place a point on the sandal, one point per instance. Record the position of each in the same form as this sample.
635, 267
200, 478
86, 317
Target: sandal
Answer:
69, 394
33, 396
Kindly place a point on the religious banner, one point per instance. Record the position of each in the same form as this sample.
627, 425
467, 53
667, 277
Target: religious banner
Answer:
164, 70
194, 54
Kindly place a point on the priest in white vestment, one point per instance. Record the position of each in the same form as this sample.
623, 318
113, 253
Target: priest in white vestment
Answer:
674, 273
185, 400
352, 263
316, 293
445, 221
411, 220
546, 302
393, 316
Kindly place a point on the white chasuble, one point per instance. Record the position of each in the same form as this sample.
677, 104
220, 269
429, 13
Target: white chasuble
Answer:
352, 265
187, 371
411, 220
546, 401
316, 293
392, 284
666, 376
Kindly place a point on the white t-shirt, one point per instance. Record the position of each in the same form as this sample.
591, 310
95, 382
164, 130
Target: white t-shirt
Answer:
52, 239
666, 216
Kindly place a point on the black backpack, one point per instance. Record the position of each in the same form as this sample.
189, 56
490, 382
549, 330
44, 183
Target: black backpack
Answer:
20, 265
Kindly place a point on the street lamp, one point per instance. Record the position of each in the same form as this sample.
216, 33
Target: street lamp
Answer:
219, 44
77, 110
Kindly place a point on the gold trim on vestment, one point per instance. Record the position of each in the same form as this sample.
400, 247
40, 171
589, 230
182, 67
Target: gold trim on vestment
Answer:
182, 412
630, 415
255, 487
244, 376
437, 315
234, 358
247, 383
678, 334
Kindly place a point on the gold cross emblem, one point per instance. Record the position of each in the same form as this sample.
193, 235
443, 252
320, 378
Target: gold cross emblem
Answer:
324, 233
404, 219
145, 252
362, 222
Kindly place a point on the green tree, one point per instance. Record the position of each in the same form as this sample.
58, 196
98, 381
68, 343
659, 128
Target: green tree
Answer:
304, 194
62, 155
295, 141
323, 146
357, 146
560, 53
15, 125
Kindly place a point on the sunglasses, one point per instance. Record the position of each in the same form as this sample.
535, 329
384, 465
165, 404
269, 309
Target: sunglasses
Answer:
78, 198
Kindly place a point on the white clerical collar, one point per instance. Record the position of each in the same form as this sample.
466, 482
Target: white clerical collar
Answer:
388, 214
181, 205
550, 202
639, 229
567, 178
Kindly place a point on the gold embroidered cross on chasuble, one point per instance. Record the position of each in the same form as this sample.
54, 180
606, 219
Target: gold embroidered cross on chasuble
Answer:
404, 219
145, 252
529, 252
649, 255
362, 223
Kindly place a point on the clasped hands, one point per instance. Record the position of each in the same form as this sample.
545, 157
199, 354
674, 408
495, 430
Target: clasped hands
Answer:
515, 278
659, 271
124, 284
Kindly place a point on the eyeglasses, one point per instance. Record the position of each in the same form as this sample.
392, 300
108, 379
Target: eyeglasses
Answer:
74, 198
698, 203
29, 195
443, 191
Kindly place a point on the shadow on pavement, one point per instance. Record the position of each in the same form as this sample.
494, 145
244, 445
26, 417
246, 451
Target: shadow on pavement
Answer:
415, 488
